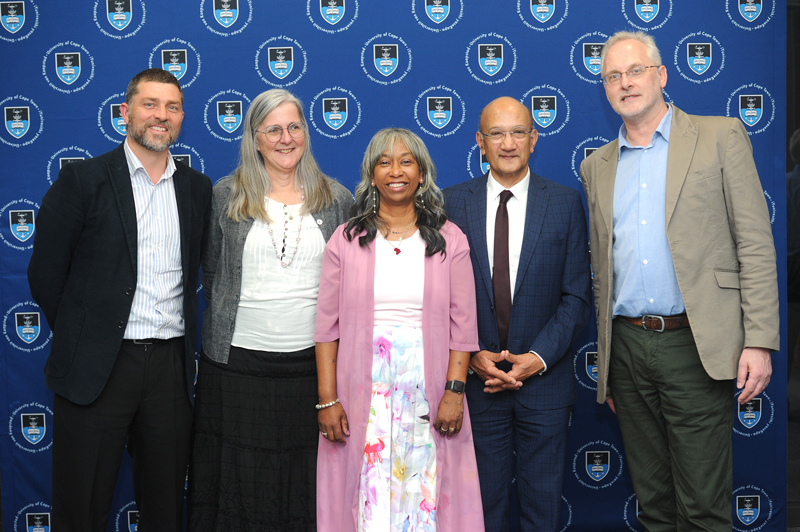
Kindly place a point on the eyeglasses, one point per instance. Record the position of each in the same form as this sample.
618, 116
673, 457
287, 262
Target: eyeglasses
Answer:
633, 73
275, 133
497, 135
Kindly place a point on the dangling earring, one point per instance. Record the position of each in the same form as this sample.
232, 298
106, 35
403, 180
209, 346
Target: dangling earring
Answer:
373, 199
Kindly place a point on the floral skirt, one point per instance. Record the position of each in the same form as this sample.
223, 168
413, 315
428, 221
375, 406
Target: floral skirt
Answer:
397, 490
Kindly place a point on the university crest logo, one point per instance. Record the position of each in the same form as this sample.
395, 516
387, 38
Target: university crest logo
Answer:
587, 152
544, 110
174, 62
385, 58
748, 508
543, 10
332, 10
437, 10
117, 122
37, 522
591, 56
490, 58
12, 15
698, 55
182, 158
646, 9
229, 115
750, 412
226, 12
27, 326
280, 60
591, 356
751, 107
33, 427
440, 110
597, 464
484, 163
750, 9
22, 224
334, 111
133, 520
68, 66
62, 161
17, 120
119, 13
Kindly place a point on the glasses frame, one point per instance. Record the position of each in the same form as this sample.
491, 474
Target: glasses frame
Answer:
282, 129
500, 138
608, 81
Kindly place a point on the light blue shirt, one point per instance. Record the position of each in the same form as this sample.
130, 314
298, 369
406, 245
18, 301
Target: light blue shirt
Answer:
644, 275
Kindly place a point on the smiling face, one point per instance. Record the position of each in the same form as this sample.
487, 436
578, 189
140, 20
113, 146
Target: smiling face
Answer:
396, 176
508, 158
154, 115
637, 100
283, 155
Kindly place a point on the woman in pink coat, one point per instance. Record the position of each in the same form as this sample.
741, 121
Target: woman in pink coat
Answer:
395, 327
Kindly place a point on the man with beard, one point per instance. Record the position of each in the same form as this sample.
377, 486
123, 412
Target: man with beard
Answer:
114, 269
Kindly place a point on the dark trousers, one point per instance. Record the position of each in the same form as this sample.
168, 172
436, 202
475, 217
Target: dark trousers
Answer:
676, 425
143, 404
539, 438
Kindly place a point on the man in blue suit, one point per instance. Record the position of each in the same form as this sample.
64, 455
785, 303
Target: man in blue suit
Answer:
529, 252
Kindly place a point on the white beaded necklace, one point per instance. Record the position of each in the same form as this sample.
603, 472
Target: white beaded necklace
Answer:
281, 255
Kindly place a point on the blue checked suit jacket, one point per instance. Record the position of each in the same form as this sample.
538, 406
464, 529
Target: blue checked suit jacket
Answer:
552, 292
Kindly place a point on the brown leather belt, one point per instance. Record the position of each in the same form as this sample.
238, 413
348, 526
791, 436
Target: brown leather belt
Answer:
652, 322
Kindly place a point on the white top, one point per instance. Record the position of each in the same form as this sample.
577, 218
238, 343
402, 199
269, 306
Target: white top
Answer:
516, 222
399, 280
157, 308
277, 305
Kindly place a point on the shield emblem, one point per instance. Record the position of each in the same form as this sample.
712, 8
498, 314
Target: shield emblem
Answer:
280, 60
385, 58
229, 115
597, 464
490, 57
27, 326
226, 12
37, 522
750, 9
646, 9
440, 110
751, 107
544, 110
543, 10
698, 55
12, 15
67, 160
588, 151
437, 10
332, 10
174, 62
183, 159
17, 120
22, 224
334, 110
119, 13
484, 163
33, 427
68, 66
591, 365
591, 56
133, 520
748, 508
750, 412
117, 122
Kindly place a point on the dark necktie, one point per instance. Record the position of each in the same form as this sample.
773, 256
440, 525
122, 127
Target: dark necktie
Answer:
501, 276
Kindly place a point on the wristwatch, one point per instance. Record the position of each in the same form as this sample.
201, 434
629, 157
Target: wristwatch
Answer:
455, 386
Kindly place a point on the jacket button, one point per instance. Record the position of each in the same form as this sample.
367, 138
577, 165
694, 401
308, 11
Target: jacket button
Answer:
120, 324
129, 290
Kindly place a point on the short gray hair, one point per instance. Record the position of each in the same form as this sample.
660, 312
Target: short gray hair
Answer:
648, 41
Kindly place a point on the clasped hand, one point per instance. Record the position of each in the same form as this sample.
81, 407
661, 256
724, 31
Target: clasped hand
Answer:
484, 363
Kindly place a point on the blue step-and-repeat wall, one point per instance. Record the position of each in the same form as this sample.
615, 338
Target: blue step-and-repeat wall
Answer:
358, 66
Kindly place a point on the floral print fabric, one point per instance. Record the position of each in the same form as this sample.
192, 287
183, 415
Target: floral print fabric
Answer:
397, 490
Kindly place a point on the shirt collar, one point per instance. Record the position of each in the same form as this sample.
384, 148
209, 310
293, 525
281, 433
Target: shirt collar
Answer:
663, 129
520, 190
134, 164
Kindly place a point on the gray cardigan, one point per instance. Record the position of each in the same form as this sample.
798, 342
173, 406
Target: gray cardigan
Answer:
222, 263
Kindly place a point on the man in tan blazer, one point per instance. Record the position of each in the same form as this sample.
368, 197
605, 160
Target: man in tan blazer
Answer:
685, 288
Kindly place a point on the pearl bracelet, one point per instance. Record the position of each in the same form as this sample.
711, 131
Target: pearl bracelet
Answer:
327, 405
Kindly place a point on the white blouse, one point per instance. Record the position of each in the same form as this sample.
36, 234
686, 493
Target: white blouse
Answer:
399, 280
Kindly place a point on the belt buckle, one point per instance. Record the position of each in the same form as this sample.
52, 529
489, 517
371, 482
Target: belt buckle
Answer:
142, 342
660, 318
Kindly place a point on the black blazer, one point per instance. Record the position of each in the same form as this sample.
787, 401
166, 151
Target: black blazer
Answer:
82, 271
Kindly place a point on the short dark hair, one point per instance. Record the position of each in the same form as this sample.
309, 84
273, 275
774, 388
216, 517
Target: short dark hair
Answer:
151, 74
794, 147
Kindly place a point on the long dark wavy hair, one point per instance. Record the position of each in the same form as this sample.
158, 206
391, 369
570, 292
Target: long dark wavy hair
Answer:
428, 200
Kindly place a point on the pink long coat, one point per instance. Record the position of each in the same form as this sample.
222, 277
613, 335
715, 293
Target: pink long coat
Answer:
345, 311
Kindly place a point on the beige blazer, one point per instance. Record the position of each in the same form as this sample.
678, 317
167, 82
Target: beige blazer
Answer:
719, 234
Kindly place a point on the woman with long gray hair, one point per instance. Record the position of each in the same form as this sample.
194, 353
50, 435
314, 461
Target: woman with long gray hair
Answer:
395, 327
254, 449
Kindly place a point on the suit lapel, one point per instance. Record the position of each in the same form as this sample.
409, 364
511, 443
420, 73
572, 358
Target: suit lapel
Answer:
183, 192
604, 183
476, 222
682, 143
535, 212
120, 179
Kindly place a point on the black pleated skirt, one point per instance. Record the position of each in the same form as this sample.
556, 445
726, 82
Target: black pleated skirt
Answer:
254, 446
